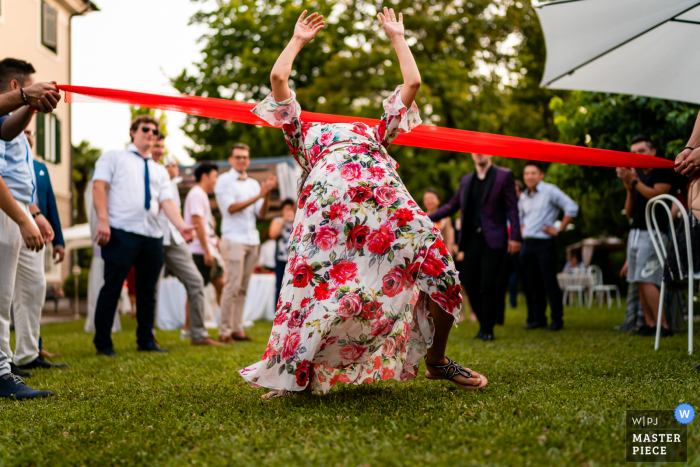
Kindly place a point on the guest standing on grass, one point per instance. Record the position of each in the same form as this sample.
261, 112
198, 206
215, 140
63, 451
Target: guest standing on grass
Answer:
204, 249
241, 200
281, 231
539, 208
20, 236
129, 232
487, 201
366, 265
178, 259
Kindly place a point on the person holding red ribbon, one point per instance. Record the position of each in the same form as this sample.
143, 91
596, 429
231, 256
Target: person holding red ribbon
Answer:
369, 289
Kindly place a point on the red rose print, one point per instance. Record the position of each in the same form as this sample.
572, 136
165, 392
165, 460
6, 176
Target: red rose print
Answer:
381, 130
372, 310
442, 300
385, 195
343, 271
282, 315
329, 341
394, 282
455, 295
315, 150
325, 138
321, 292
311, 208
296, 319
376, 172
357, 237
304, 303
351, 171
304, 196
412, 272
350, 305
439, 247
283, 112
359, 194
401, 342
380, 240
382, 326
352, 352
338, 211
389, 348
411, 203
291, 343
403, 216
432, 266
326, 238
302, 372
302, 275
387, 373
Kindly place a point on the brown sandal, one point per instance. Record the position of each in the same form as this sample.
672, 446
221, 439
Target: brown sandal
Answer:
452, 369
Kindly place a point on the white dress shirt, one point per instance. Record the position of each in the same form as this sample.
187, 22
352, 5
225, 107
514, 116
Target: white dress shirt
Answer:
238, 227
124, 170
542, 208
170, 232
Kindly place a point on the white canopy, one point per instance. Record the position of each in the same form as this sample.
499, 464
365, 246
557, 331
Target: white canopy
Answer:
642, 47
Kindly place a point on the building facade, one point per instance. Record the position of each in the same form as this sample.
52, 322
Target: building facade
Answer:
39, 31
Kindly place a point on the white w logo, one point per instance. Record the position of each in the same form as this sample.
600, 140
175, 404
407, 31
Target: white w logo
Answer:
684, 413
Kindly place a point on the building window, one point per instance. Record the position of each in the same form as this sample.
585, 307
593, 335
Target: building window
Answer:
48, 137
49, 26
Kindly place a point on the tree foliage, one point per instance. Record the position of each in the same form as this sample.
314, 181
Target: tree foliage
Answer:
471, 80
84, 159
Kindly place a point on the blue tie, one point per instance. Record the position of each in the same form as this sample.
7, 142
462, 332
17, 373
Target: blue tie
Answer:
147, 181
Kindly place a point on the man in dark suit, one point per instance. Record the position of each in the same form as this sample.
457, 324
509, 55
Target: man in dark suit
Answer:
487, 200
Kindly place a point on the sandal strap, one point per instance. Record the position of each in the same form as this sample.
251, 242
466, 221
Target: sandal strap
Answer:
452, 369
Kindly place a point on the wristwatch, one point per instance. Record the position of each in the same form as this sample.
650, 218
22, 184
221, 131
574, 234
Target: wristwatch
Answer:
36, 214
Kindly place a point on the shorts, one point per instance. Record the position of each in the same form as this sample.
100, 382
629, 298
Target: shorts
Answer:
643, 264
209, 273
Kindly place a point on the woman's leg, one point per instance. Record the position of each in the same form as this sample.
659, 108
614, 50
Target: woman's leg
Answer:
443, 322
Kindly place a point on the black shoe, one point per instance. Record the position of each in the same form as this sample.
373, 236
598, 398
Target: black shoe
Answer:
666, 332
535, 325
152, 347
12, 387
697, 367
555, 326
488, 337
479, 335
40, 362
644, 330
17, 371
107, 353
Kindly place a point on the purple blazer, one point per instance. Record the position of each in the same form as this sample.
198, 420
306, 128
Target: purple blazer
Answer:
498, 205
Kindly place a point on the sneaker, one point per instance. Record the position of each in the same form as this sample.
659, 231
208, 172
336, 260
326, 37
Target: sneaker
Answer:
17, 371
184, 335
40, 362
12, 387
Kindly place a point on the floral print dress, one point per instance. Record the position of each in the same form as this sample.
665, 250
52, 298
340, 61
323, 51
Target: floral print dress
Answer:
362, 257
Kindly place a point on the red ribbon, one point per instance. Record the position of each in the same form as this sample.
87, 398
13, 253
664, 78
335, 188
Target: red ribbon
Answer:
424, 136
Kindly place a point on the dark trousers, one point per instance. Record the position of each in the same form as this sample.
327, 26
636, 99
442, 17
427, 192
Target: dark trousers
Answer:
539, 261
124, 250
481, 273
279, 272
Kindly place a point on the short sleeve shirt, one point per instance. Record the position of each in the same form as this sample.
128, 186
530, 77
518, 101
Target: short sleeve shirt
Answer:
197, 204
650, 179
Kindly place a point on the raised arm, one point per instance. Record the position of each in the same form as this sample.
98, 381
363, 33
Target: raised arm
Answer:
688, 161
409, 70
304, 32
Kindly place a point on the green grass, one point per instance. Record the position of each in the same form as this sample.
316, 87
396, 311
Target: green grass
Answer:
553, 399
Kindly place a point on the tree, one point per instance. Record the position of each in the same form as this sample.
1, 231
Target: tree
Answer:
609, 121
84, 159
160, 116
350, 67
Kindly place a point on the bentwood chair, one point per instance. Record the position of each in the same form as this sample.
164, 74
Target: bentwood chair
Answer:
657, 241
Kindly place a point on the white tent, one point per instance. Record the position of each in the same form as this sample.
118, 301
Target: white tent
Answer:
642, 47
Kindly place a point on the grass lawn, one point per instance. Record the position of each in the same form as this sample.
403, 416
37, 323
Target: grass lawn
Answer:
553, 399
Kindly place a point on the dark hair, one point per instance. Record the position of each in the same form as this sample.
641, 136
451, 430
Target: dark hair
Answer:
142, 119
642, 139
520, 185
160, 137
204, 168
433, 191
287, 202
12, 68
535, 164
238, 146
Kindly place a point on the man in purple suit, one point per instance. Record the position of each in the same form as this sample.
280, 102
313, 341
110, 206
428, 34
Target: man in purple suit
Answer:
487, 200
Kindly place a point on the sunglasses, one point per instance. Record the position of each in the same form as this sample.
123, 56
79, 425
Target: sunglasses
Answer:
30, 133
146, 129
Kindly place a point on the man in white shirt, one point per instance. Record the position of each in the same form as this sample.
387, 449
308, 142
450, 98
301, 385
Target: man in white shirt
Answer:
241, 199
129, 232
178, 260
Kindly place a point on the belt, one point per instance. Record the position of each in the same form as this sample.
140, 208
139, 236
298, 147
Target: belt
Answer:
537, 240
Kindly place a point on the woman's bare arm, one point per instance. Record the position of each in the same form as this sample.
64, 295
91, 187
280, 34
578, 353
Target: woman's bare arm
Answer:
304, 32
409, 70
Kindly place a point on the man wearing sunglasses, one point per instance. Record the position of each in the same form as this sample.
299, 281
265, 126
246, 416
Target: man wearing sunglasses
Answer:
129, 232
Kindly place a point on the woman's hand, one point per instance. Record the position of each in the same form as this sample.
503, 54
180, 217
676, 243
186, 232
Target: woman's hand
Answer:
690, 166
306, 29
389, 23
